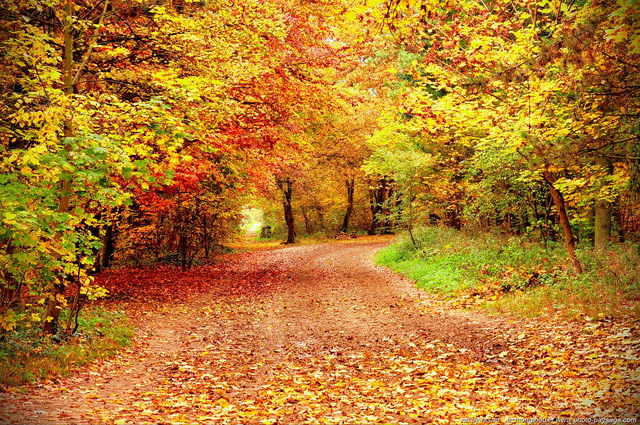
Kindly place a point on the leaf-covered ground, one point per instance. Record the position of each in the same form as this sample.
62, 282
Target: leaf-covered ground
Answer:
317, 334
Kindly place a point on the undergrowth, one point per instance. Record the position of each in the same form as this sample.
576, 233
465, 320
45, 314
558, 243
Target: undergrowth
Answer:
26, 355
512, 274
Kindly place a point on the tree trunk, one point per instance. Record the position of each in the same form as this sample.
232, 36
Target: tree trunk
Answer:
603, 213
377, 197
558, 200
286, 186
388, 209
602, 224
320, 213
410, 198
108, 246
374, 210
54, 304
350, 184
308, 226
11, 289
205, 237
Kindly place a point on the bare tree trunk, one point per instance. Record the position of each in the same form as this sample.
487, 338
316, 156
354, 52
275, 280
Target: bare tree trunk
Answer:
377, 198
374, 209
603, 213
286, 186
602, 224
108, 246
308, 226
410, 222
558, 200
350, 184
205, 236
320, 213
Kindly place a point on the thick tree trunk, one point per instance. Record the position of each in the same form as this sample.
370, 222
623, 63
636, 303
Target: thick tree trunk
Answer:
108, 246
558, 200
602, 224
350, 184
286, 186
603, 214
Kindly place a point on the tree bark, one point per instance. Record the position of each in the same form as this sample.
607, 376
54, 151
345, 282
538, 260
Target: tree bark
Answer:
602, 224
286, 186
308, 226
11, 289
108, 246
205, 236
377, 197
603, 213
559, 202
320, 213
350, 184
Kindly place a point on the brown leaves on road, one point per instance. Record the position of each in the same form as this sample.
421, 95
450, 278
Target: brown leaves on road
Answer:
316, 334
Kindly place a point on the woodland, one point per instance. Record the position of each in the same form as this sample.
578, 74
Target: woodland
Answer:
136, 134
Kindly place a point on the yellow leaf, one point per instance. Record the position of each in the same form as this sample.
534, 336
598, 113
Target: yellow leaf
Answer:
249, 414
222, 402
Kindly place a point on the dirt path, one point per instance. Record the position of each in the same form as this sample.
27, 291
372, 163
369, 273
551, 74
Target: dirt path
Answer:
338, 340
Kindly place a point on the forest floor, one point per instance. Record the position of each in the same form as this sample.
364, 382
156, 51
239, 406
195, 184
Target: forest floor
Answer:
318, 334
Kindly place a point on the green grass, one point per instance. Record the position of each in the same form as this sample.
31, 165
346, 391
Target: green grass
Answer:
511, 274
439, 274
26, 355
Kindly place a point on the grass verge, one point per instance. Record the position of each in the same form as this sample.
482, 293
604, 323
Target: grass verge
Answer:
26, 355
511, 274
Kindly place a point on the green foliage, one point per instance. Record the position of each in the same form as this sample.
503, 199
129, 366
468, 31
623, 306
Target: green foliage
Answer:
449, 262
40, 241
434, 272
26, 356
515, 275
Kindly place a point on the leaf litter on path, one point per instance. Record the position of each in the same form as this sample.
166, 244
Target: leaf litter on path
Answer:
317, 334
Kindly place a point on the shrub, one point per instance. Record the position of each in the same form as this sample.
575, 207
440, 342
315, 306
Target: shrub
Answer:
508, 273
26, 355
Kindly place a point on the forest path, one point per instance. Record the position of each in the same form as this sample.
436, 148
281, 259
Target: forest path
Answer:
318, 334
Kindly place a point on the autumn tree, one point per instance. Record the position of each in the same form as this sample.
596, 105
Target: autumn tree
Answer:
527, 93
60, 157
316, 174
114, 109
338, 152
